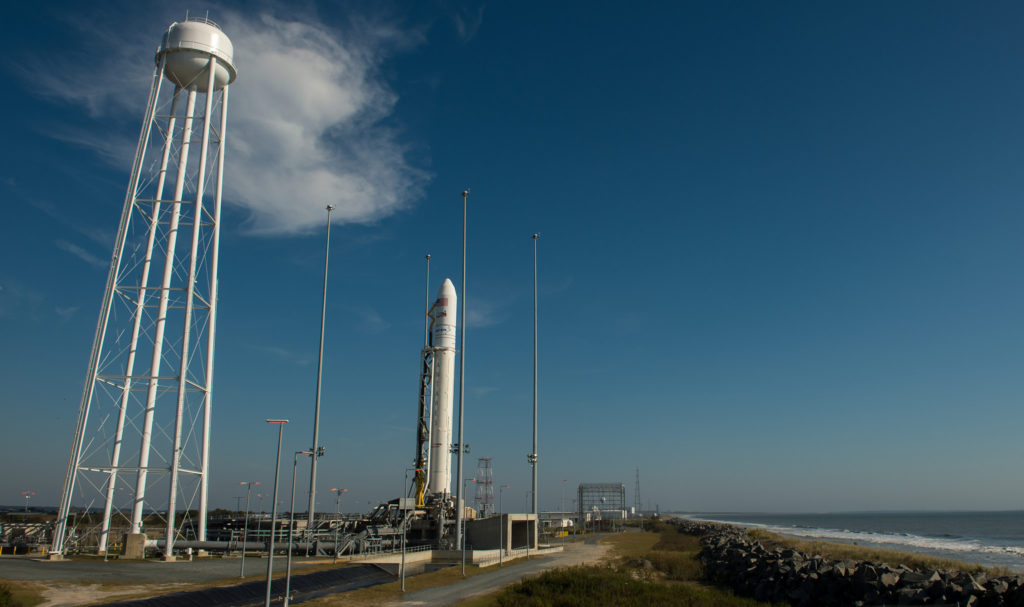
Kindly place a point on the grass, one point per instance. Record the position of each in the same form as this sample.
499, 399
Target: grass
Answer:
584, 586
19, 594
672, 575
631, 545
842, 552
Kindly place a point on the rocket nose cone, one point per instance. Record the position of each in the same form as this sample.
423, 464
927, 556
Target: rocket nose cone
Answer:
447, 289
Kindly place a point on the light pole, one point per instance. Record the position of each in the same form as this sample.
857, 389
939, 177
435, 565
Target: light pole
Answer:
462, 381
337, 516
317, 451
578, 516
245, 529
468, 480
561, 515
533, 454
526, 500
426, 305
291, 527
501, 519
403, 511
273, 517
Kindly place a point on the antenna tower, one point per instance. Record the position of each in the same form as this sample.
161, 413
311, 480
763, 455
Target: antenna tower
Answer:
141, 449
484, 486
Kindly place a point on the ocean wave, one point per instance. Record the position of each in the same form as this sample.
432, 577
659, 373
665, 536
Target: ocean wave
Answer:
947, 543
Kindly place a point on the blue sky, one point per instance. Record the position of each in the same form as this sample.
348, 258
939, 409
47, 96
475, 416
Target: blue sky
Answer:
779, 262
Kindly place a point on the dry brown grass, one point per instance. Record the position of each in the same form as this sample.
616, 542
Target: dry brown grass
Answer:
26, 594
631, 545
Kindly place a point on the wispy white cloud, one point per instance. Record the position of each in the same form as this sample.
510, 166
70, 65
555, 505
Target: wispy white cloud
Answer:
481, 313
368, 320
101, 237
65, 314
305, 122
283, 354
81, 253
482, 391
18, 301
467, 21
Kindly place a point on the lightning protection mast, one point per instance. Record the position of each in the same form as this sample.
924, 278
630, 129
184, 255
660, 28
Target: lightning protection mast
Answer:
142, 439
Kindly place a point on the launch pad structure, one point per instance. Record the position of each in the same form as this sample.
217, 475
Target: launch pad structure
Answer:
139, 461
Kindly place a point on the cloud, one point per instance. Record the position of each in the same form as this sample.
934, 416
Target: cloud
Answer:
81, 253
467, 22
65, 314
102, 237
305, 126
368, 320
283, 354
482, 313
19, 301
306, 116
482, 391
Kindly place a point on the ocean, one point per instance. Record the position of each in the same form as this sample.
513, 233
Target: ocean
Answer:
987, 538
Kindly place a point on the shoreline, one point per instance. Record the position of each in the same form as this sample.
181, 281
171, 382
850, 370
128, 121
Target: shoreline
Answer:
949, 547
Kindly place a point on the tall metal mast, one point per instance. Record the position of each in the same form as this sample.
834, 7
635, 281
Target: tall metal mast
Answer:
316, 451
533, 455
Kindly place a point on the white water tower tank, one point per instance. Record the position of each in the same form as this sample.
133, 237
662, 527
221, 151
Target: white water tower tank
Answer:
188, 46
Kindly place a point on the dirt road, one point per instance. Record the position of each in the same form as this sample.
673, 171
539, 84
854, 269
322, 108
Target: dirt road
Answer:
587, 552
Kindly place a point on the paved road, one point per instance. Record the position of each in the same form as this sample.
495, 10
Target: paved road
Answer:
575, 554
207, 570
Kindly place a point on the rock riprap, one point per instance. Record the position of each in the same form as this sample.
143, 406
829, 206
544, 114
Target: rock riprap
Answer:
734, 559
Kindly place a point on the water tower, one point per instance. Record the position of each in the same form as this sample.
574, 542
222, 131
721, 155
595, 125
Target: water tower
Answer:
141, 448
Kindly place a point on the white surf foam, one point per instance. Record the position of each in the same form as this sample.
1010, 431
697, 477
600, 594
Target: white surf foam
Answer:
894, 539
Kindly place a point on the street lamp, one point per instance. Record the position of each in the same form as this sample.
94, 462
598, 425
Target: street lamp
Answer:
533, 454
403, 511
273, 518
502, 520
561, 515
462, 377
463, 524
337, 516
245, 529
291, 528
316, 449
526, 501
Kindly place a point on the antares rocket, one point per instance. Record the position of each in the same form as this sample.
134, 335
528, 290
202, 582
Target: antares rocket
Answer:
442, 388
437, 378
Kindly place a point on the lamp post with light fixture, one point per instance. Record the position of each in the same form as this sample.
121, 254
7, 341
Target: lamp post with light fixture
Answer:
501, 514
291, 533
273, 518
337, 516
245, 528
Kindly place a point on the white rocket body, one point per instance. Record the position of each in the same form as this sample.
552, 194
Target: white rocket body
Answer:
442, 390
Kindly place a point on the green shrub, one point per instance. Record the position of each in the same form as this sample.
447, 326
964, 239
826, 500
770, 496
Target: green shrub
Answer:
587, 586
673, 540
676, 565
7, 597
